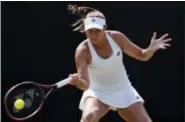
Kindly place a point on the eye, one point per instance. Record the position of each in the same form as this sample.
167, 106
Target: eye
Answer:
97, 30
94, 31
90, 30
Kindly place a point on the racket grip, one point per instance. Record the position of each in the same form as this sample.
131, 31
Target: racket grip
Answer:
63, 82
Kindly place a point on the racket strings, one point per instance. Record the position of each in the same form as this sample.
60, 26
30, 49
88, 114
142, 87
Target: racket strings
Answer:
32, 94
27, 97
32, 97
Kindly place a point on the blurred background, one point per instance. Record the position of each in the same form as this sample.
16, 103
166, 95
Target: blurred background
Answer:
38, 44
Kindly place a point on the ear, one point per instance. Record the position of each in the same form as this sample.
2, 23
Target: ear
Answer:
105, 27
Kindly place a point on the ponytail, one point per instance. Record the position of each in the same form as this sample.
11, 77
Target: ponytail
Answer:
81, 12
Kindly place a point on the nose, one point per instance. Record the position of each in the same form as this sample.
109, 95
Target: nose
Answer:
94, 35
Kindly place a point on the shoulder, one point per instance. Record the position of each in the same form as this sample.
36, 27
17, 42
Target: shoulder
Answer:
83, 46
117, 36
82, 50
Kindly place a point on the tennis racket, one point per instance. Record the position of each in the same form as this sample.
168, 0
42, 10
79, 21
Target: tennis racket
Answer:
32, 94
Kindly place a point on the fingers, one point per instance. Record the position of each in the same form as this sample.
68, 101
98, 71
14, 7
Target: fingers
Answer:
167, 40
74, 77
162, 47
166, 45
154, 35
160, 43
72, 81
164, 36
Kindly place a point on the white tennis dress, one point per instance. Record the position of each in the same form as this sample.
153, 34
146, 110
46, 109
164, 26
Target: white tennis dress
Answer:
109, 82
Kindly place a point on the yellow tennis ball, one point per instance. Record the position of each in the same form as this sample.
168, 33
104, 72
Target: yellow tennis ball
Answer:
19, 104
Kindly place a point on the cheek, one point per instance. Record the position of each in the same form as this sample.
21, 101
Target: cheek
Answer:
100, 35
92, 35
88, 35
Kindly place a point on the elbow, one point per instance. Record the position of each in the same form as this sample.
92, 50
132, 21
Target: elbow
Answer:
87, 85
84, 81
83, 84
144, 59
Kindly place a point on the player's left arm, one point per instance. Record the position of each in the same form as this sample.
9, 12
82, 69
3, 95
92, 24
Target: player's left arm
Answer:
135, 51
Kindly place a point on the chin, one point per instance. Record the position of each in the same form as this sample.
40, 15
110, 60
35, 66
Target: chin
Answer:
95, 42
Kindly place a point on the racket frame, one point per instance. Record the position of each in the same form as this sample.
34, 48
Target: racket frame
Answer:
52, 86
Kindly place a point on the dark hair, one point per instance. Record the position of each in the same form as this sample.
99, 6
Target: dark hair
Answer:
82, 12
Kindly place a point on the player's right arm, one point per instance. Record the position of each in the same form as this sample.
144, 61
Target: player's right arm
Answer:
81, 79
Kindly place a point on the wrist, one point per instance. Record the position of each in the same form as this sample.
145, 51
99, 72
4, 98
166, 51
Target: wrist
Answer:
147, 53
150, 50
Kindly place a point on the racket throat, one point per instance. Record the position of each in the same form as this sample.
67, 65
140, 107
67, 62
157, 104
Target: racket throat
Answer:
50, 91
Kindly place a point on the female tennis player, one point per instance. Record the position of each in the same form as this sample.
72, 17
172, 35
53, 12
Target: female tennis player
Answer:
100, 71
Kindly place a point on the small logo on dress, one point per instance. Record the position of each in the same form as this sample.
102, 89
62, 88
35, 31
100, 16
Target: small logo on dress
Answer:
118, 53
137, 97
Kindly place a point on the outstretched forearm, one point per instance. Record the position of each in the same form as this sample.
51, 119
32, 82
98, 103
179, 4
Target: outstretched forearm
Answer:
135, 51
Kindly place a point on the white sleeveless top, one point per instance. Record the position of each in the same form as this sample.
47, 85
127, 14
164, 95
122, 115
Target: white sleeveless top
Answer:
109, 73
109, 82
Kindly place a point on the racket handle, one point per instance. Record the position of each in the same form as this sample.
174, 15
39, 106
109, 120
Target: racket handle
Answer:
63, 82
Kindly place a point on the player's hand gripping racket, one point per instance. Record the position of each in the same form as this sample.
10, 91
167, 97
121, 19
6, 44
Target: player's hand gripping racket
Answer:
29, 98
